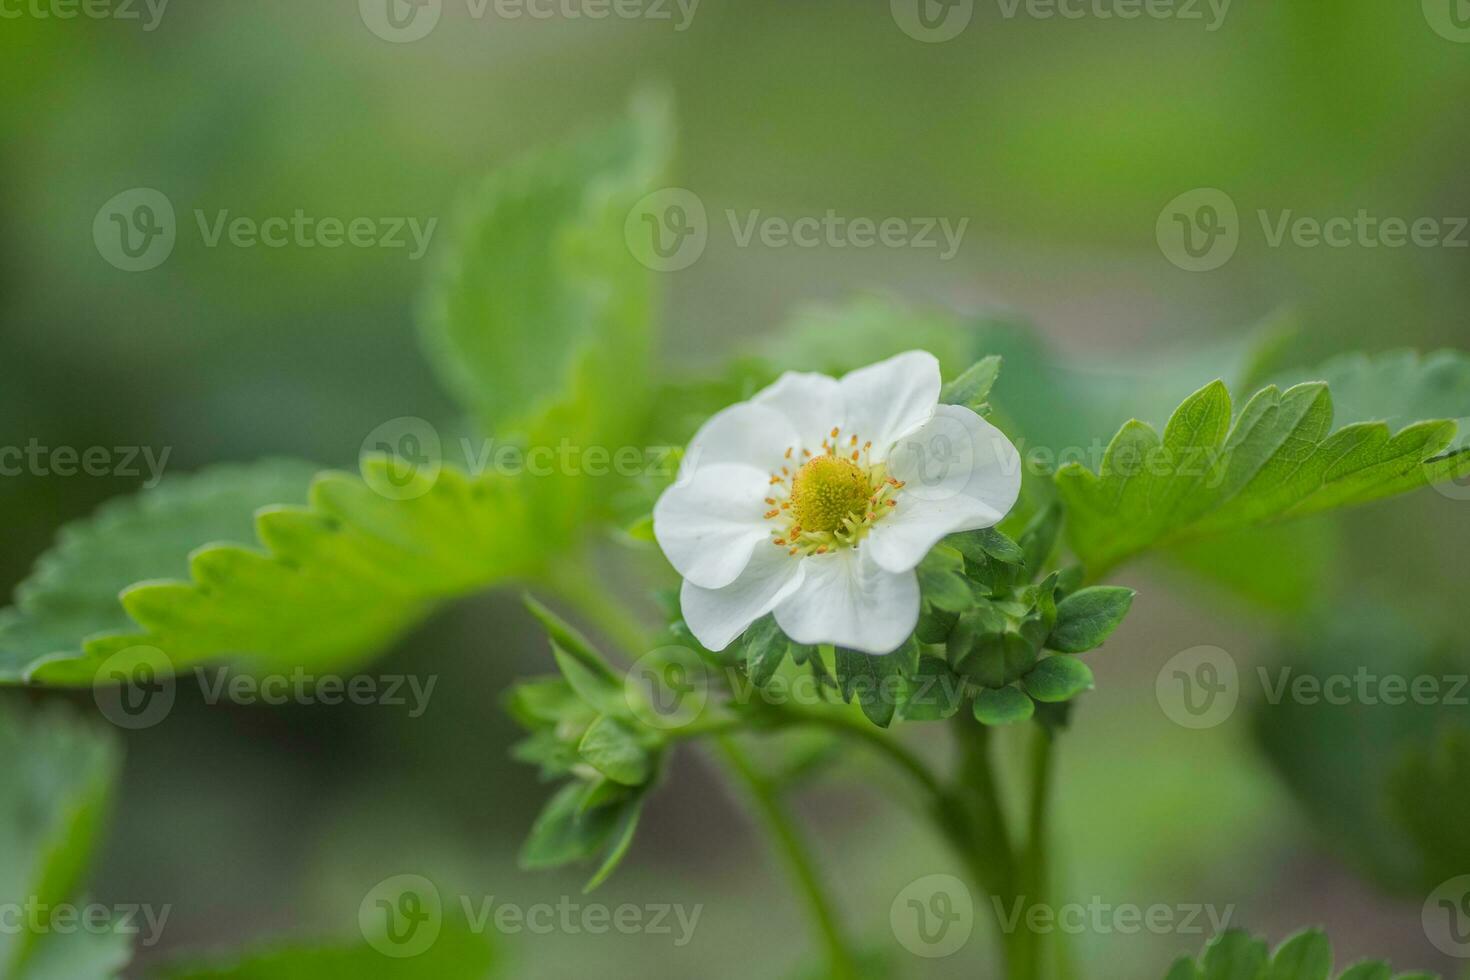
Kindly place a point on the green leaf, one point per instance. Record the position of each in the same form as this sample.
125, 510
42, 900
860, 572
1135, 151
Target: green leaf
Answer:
621, 841
456, 954
876, 681
1371, 970
59, 777
334, 582
1086, 618
539, 288
835, 339
1234, 955
1058, 678
765, 648
565, 832
987, 542
570, 641
942, 580
1305, 956
1003, 706
70, 601
934, 692
1279, 458
1392, 814
972, 389
1429, 794
614, 750
78, 956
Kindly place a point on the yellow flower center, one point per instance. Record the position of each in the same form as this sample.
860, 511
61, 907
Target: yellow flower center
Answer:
832, 499
828, 490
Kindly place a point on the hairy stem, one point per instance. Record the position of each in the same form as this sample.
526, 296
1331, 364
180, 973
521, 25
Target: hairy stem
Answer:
793, 851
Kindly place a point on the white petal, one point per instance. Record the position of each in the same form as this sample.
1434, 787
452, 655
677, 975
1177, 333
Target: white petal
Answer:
812, 403
745, 433
886, 401
718, 616
709, 523
959, 473
847, 600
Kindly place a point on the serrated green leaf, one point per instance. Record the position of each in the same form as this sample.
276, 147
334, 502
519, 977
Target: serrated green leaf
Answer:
614, 749
457, 953
1305, 956
336, 581
972, 388
543, 701
1280, 458
1236, 955
1088, 617
1058, 678
538, 285
70, 600
1003, 706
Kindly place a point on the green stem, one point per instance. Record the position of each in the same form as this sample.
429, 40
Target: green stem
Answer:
851, 727
1036, 957
793, 850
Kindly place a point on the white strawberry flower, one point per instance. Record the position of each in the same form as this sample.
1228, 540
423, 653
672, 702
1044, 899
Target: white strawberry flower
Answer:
818, 498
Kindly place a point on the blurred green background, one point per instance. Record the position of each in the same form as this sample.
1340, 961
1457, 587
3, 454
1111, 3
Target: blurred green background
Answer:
1059, 140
